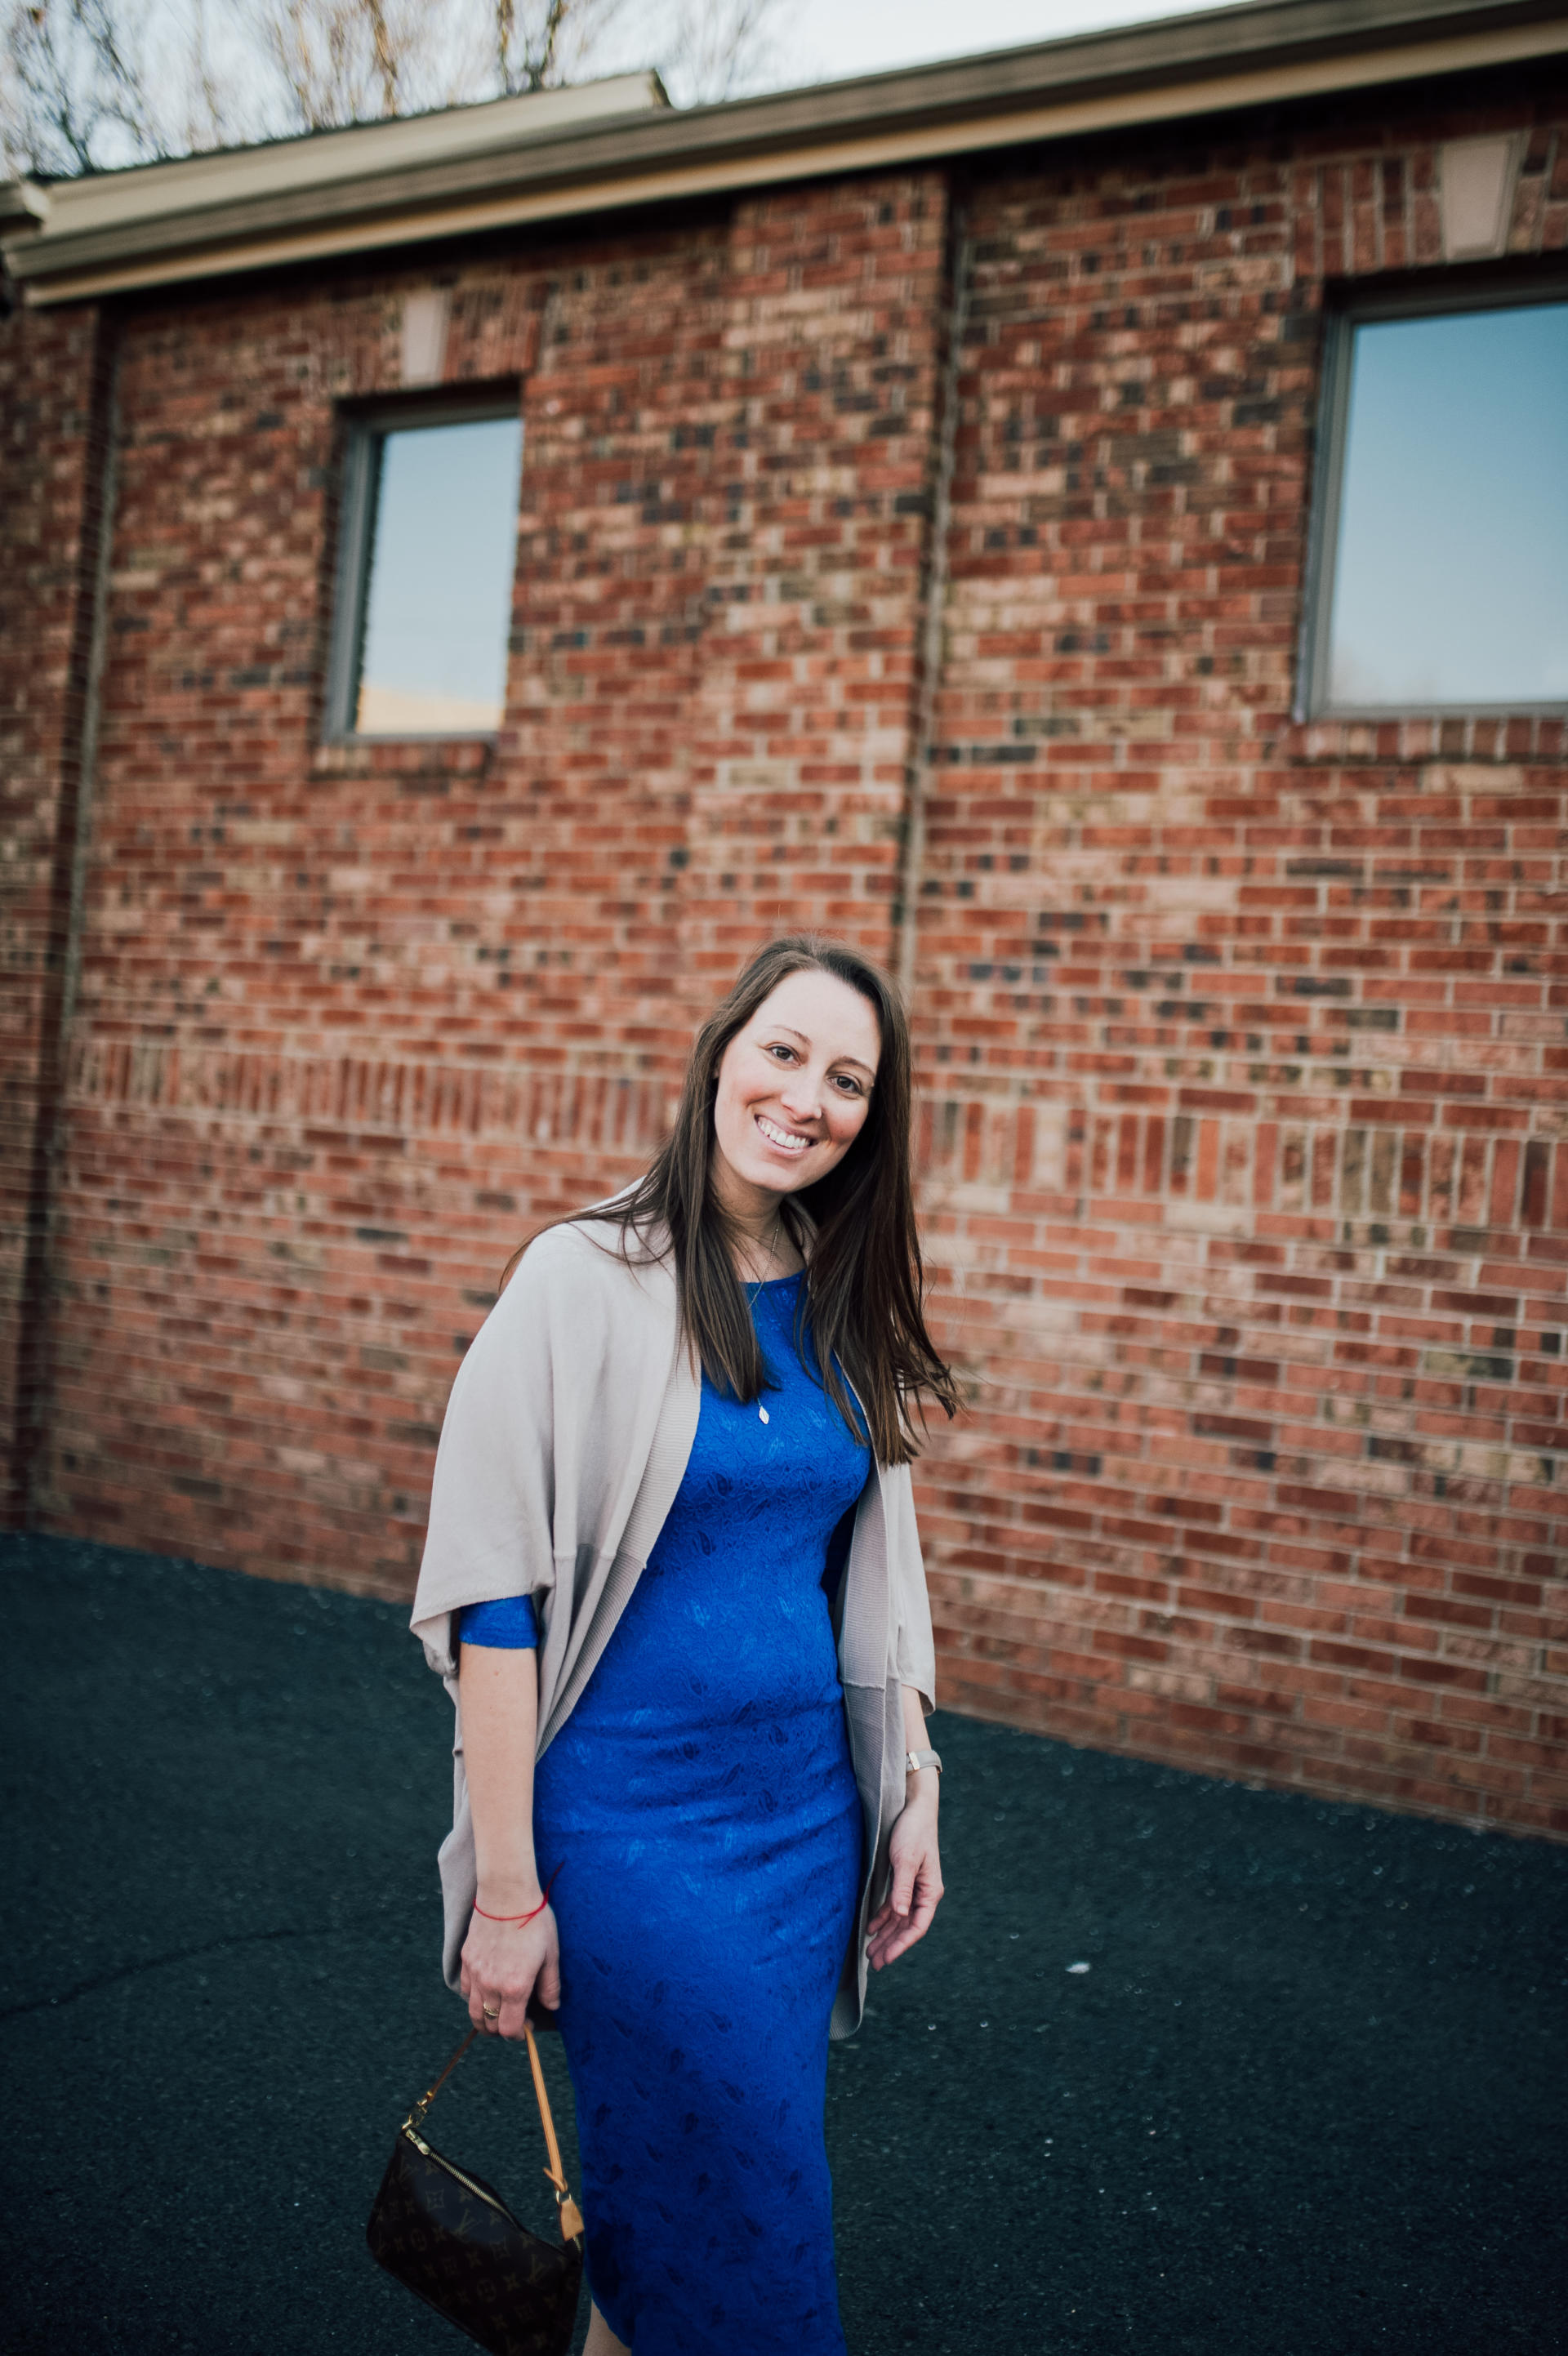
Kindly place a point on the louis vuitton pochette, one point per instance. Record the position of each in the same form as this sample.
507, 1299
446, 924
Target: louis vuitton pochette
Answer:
450, 2238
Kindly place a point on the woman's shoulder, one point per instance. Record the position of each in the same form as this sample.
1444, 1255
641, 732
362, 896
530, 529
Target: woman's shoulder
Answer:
569, 1308
585, 1258
573, 1301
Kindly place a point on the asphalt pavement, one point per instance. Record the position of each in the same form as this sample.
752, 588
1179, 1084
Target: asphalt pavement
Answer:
1183, 2069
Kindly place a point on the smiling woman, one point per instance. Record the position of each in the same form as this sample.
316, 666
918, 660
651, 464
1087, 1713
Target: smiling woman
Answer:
791, 1142
674, 1579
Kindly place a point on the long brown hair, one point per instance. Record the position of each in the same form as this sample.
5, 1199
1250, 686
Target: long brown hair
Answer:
864, 1280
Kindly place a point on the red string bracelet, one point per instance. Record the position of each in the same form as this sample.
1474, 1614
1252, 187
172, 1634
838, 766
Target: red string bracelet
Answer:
532, 1910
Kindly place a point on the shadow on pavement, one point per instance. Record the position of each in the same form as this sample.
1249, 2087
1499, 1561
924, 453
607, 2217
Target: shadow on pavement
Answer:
1307, 2099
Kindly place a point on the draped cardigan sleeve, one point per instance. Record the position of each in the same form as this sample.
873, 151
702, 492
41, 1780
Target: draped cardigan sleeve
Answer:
490, 1533
566, 1436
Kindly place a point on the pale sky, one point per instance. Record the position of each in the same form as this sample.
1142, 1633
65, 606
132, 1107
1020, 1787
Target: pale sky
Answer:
832, 38
809, 41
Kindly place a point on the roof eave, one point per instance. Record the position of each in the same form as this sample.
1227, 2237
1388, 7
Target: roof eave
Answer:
1218, 61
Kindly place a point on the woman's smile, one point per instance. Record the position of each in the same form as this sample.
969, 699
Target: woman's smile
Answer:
784, 1141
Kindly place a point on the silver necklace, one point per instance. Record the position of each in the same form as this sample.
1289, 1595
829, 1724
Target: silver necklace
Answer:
752, 1289
771, 1249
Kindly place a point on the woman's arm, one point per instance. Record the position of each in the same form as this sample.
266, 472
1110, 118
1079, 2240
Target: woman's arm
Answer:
915, 1890
504, 1962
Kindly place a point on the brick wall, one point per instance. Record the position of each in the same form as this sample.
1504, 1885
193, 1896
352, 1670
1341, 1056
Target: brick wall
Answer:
1245, 1168
1244, 1042
352, 1020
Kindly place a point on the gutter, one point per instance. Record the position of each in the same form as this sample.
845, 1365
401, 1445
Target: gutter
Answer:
63, 944
1266, 53
23, 205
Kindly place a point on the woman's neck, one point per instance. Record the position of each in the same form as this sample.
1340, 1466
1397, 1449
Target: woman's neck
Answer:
764, 1243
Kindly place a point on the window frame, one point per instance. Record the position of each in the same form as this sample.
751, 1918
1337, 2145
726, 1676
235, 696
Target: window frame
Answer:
365, 429
1353, 309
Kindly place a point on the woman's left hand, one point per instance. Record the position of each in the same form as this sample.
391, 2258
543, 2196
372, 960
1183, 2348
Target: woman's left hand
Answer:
915, 1890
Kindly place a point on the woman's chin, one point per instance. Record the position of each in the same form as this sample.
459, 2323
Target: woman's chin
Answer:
777, 1181
772, 1173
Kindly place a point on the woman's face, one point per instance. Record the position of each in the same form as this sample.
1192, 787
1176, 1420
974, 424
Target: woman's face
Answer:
794, 1089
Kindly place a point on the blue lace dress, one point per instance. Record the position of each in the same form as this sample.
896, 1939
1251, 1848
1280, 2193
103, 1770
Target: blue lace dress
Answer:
702, 1807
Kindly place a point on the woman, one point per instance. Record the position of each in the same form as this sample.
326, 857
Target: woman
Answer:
673, 1582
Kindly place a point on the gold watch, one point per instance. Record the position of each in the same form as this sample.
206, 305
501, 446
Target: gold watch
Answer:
915, 1760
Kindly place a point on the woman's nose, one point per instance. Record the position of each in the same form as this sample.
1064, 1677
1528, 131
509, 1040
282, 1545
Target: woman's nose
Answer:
801, 1097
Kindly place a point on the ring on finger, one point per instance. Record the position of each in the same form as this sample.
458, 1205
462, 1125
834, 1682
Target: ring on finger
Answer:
491, 2011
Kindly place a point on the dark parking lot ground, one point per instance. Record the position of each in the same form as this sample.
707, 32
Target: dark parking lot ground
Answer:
1305, 2100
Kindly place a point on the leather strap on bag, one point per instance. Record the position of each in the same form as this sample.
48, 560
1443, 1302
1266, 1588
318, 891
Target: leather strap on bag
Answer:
416, 2117
570, 2214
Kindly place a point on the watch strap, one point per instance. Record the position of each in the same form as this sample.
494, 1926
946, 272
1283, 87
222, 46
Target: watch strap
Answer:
915, 1760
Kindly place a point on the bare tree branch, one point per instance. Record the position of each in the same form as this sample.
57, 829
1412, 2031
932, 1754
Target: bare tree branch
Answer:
386, 61
703, 50
541, 43
89, 84
720, 48
343, 61
74, 93
210, 107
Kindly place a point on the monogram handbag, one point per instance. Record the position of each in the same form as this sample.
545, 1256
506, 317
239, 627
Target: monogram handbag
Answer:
451, 2241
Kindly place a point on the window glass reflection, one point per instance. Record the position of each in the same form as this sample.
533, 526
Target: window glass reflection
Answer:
438, 596
1451, 580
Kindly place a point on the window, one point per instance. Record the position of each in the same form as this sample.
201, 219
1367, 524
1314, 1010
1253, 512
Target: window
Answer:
1442, 526
424, 583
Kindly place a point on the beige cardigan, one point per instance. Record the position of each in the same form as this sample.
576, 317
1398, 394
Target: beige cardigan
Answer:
565, 1440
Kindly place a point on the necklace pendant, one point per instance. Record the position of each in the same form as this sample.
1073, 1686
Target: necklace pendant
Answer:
762, 1414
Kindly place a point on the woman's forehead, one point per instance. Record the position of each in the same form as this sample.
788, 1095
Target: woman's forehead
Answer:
825, 1012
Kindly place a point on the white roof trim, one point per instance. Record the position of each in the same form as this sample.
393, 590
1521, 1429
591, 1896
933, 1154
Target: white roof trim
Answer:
326, 160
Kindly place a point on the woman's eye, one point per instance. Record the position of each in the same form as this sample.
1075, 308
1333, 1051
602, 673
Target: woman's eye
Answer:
779, 1049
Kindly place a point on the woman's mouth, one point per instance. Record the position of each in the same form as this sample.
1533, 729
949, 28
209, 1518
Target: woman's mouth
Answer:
784, 1139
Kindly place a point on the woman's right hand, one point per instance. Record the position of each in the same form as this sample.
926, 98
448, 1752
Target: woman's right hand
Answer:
506, 1962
